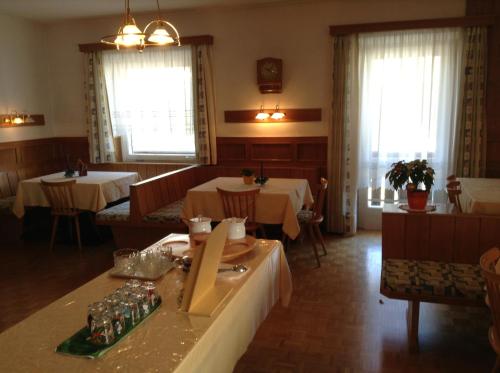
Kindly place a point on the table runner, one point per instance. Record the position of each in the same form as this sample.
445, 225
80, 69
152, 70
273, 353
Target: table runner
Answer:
480, 196
169, 340
92, 192
277, 203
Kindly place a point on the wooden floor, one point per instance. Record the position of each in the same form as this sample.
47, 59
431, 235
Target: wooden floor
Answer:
337, 320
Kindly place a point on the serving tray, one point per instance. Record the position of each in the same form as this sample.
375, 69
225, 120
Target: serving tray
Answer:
233, 248
79, 344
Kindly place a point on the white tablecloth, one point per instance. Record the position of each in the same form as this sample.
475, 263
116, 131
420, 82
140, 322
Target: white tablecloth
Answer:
480, 196
91, 192
277, 203
168, 340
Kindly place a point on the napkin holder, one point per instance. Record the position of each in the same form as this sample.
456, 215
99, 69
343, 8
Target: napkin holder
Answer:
202, 295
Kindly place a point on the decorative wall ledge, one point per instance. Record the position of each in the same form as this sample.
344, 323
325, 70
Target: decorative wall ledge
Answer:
291, 115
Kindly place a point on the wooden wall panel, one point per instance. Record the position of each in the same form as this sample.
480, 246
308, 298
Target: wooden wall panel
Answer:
31, 158
274, 151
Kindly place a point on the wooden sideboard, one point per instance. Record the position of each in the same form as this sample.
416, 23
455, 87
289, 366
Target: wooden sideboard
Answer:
441, 235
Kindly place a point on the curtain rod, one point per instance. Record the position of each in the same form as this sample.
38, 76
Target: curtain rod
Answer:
487, 20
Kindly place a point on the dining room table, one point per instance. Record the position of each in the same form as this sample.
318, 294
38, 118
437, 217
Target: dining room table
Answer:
480, 195
168, 340
278, 202
92, 192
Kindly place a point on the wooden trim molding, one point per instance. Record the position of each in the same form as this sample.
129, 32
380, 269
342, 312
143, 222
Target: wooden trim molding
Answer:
485, 20
37, 120
292, 115
185, 40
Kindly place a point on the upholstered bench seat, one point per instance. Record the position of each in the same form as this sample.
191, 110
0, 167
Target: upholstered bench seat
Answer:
6, 204
415, 278
118, 213
167, 214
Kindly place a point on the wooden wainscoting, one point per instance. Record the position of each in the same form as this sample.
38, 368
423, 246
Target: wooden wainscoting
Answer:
145, 169
31, 158
283, 151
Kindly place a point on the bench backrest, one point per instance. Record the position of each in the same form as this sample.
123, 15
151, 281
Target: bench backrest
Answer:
455, 238
151, 194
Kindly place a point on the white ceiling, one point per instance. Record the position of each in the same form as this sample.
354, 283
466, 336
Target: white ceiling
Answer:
50, 10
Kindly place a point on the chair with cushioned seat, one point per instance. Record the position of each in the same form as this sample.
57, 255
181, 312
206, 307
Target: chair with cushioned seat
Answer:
488, 262
62, 203
240, 205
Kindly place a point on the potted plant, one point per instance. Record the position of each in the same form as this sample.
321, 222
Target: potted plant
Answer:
248, 176
412, 174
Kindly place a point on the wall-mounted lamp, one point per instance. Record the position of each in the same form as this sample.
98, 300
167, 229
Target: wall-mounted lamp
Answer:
277, 115
17, 118
261, 115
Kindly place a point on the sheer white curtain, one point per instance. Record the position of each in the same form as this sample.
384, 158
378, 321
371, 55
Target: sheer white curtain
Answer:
408, 87
151, 100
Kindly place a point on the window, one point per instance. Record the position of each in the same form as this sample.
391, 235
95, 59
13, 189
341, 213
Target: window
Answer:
151, 102
409, 82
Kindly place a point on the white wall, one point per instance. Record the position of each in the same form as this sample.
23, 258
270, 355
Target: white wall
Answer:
23, 75
298, 33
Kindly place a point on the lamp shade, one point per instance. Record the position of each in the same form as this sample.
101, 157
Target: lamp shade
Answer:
160, 36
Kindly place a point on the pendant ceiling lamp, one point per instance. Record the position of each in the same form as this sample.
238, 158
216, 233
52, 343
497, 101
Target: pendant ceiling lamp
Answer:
129, 35
161, 34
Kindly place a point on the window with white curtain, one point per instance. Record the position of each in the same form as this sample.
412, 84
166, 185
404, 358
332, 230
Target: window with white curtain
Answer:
409, 85
151, 101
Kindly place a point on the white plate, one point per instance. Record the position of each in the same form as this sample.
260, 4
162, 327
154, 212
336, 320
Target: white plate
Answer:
428, 208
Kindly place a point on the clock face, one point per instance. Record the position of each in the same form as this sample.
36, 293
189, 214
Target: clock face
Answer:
269, 71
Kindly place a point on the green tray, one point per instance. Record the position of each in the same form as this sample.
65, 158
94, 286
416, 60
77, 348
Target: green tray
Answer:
79, 345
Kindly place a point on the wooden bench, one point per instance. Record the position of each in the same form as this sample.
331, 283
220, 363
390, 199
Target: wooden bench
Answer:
434, 258
156, 203
153, 211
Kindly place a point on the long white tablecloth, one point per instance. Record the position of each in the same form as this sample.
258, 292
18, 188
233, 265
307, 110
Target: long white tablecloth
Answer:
169, 340
92, 192
278, 202
480, 196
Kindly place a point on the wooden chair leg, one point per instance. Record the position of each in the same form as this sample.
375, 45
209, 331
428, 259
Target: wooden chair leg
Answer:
77, 225
412, 317
54, 230
320, 236
313, 242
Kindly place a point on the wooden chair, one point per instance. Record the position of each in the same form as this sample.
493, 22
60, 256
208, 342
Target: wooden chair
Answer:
311, 219
487, 262
453, 189
242, 204
62, 203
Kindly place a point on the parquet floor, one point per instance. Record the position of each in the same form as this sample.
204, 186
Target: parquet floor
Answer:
337, 320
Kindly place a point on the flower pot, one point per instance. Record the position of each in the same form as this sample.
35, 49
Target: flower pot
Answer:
417, 199
248, 179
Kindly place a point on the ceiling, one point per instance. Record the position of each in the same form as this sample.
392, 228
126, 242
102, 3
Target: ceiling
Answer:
50, 10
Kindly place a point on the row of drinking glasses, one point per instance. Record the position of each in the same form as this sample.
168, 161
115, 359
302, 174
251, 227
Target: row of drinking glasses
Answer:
120, 311
147, 262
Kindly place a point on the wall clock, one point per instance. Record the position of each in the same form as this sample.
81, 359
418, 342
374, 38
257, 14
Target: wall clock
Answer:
269, 75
